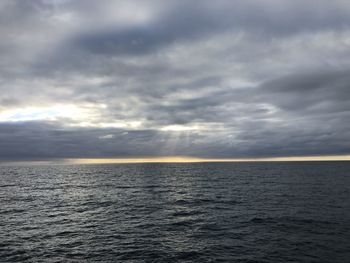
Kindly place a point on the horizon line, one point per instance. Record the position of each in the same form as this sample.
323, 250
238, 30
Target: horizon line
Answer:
177, 159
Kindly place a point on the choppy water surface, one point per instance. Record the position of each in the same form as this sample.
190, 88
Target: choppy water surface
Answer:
247, 212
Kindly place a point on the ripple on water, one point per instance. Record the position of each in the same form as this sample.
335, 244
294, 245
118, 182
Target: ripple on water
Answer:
267, 212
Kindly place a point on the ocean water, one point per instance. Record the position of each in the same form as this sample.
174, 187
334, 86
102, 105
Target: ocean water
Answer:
209, 212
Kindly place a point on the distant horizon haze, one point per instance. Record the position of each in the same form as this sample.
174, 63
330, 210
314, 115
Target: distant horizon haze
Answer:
174, 159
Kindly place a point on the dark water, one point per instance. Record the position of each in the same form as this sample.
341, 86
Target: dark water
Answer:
248, 212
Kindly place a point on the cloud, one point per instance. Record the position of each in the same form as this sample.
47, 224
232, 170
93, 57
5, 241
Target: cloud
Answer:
190, 20
161, 78
322, 92
106, 137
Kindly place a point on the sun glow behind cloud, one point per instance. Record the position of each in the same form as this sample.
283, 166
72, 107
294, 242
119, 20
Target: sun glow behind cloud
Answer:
49, 113
86, 115
182, 128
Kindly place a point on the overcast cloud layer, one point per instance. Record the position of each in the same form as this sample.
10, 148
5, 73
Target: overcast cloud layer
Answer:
216, 79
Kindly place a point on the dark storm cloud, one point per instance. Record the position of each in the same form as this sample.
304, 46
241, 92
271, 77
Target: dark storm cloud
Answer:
201, 78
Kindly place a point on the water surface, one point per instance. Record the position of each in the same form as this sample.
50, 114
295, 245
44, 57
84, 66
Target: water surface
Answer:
212, 212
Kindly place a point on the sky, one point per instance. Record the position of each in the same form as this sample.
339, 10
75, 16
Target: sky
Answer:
223, 79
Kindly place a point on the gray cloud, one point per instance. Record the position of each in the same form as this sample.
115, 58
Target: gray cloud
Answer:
188, 20
209, 79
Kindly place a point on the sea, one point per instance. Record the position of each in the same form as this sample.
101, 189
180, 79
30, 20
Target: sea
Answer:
176, 212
